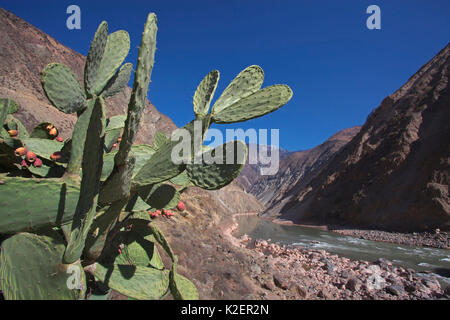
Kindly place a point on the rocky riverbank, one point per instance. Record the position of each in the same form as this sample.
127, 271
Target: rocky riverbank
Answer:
296, 273
436, 239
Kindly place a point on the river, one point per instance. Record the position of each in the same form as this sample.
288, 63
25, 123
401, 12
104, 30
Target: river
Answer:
433, 260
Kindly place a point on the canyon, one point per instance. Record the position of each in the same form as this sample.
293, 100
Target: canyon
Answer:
395, 168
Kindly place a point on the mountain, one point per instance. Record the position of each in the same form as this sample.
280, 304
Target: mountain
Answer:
24, 53
295, 168
394, 174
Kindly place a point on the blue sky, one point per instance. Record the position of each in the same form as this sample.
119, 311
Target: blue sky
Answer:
338, 69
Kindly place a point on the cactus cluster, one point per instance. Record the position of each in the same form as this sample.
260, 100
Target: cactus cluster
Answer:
82, 208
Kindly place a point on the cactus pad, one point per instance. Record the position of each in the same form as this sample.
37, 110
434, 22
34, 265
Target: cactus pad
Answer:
28, 204
94, 57
205, 92
43, 147
119, 81
160, 196
62, 88
180, 287
136, 282
116, 50
248, 81
31, 269
137, 250
256, 105
215, 175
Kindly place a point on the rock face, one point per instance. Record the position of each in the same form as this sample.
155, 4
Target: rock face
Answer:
394, 174
295, 168
25, 51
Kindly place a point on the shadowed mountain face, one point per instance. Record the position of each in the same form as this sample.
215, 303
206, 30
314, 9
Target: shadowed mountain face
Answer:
395, 172
295, 168
24, 53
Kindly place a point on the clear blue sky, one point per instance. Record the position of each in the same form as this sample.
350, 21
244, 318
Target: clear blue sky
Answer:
338, 69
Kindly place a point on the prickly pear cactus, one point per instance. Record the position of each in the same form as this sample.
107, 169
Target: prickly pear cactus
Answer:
91, 200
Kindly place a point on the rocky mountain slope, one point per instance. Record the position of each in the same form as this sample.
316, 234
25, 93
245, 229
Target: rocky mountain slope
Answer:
25, 51
295, 167
395, 172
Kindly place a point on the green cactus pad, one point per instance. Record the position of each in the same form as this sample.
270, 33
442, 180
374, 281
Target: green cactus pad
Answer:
118, 185
102, 225
159, 167
180, 287
29, 204
116, 50
160, 196
162, 241
137, 250
15, 124
116, 122
142, 76
119, 81
31, 269
111, 138
62, 88
80, 132
205, 92
159, 140
248, 81
43, 147
90, 185
215, 176
256, 105
181, 180
94, 57
136, 282
9, 105
7, 141
142, 152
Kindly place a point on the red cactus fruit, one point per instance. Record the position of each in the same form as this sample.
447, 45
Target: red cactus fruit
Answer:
56, 155
53, 132
168, 214
181, 206
60, 139
37, 163
24, 164
20, 151
120, 251
13, 133
31, 156
49, 127
158, 212
115, 145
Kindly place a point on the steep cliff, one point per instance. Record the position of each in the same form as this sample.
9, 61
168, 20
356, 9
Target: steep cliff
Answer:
395, 172
296, 168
